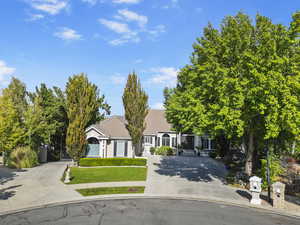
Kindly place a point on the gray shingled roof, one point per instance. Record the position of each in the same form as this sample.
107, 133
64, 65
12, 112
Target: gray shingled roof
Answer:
156, 122
114, 127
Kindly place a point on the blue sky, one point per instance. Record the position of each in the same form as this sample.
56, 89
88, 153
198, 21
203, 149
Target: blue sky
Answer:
49, 40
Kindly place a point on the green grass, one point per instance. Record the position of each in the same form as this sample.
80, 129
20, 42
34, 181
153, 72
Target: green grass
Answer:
111, 190
112, 162
109, 174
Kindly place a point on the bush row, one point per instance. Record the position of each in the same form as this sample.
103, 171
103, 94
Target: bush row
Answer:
112, 162
163, 150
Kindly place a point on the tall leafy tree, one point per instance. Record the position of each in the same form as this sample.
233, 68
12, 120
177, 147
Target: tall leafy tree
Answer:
135, 102
13, 105
84, 107
46, 118
243, 82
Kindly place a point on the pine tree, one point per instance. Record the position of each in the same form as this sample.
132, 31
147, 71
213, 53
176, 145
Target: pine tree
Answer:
135, 102
84, 107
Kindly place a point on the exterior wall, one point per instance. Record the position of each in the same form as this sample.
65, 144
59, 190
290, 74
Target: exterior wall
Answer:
110, 149
92, 133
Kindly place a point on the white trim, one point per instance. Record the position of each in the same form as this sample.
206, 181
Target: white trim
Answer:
93, 128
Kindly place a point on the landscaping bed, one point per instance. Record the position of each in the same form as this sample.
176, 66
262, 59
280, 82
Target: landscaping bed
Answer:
112, 174
90, 162
112, 190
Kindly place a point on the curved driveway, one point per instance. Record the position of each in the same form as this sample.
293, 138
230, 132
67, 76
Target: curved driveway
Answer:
146, 211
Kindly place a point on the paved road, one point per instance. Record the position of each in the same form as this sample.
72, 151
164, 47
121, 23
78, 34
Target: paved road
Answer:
146, 211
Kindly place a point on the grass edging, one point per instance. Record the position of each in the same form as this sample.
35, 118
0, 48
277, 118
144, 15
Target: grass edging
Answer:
111, 190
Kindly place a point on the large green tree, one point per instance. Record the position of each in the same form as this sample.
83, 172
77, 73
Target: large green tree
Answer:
135, 102
46, 119
84, 107
243, 82
13, 105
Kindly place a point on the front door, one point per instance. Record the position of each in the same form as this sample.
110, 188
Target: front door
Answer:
187, 142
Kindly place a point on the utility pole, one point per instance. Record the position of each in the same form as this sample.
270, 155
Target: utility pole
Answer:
268, 172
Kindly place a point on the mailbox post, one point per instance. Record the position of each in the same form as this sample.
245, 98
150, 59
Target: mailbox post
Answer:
278, 189
255, 189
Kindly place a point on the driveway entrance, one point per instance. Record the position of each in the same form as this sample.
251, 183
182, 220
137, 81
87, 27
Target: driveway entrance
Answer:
194, 176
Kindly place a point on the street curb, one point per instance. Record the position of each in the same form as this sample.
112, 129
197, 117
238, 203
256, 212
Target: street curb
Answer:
166, 197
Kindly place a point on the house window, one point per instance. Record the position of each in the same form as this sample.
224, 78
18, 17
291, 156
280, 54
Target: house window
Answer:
205, 144
158, 141
120, 148
174, 142
148, 139
166, 140
93, 147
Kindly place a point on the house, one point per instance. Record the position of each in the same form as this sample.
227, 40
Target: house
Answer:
110, 138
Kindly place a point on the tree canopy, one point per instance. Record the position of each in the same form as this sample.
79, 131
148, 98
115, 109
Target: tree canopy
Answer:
84, 107
243, 81
135, 102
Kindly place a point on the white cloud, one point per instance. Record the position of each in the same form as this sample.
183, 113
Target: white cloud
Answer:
5, 71
172, 4
126, 1
118, 79
137, 61
67, 34
115, 26
51, 7
132, 16
34, 17
91, 2
159, 29
127, 35
165, 75
158, 105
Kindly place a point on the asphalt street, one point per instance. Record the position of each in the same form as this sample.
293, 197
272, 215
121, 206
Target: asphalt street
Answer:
146, 211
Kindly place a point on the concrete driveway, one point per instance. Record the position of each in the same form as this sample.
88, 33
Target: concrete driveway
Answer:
194, 176
35, 186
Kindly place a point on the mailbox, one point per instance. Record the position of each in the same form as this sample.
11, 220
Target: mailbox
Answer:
278, 189
255, 189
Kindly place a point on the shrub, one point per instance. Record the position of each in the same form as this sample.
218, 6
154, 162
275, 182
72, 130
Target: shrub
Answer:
152, 150
164, 150
275, 170
112, 162
23, 157
213, 154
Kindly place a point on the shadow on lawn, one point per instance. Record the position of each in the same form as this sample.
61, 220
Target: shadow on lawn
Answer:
198, 169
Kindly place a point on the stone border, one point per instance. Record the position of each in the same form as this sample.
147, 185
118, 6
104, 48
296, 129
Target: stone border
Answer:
170, 197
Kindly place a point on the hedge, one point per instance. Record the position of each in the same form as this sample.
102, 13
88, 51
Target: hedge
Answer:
112, 162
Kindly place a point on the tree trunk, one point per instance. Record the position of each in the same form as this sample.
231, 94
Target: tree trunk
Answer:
133, 150
249, 155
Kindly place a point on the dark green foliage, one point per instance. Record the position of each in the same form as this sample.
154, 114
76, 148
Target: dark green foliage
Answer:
23, 157
213, 154
84, 107
275, 170
135, 102
112, 162
152, 150
164, 150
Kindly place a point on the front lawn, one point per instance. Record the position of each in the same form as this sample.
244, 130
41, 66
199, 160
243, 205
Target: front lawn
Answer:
111, 190
110, 174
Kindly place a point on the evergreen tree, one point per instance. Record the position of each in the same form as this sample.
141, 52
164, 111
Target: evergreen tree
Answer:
243, 82
84, 107
135, 102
